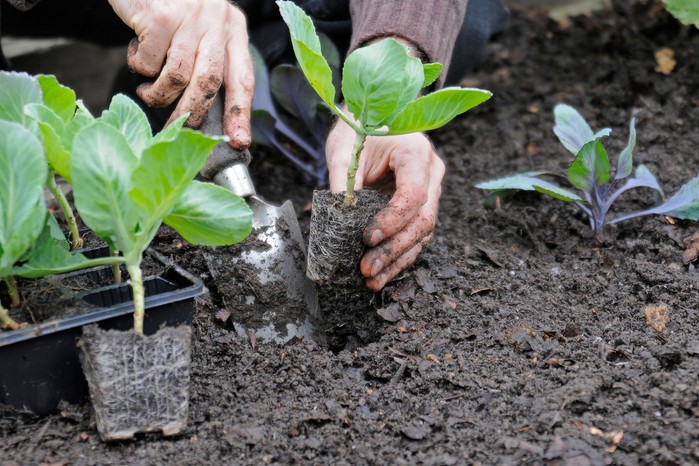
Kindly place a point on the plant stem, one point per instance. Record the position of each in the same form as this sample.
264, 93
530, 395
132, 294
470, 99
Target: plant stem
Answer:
15, 300
116, 270
76, 240
354, 164
138, 295
352, 124
6, 321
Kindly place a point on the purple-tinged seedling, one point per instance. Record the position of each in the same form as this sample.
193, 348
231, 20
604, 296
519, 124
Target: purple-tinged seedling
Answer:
591, 173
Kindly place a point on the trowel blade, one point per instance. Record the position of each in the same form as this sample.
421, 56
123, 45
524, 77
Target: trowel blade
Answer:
284, 260
262, 280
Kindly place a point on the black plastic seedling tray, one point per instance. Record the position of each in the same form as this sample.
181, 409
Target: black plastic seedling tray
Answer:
39, 364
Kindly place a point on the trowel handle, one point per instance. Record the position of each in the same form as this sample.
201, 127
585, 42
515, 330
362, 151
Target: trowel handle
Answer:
222, 156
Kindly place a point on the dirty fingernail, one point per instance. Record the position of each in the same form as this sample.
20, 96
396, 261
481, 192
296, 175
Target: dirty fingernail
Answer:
376, 267
239, 141
376, 237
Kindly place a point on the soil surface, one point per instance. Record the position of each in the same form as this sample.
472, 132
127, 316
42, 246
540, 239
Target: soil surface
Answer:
517, 338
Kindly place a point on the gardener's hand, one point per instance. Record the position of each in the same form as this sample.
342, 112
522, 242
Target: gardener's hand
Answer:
409, 167
192, 47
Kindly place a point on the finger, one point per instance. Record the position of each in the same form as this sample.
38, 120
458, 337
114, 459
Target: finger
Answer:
412, 173
418, 230
380, 257
389, 273
174, 77
206, 79
239, 80
146, 54
338, 151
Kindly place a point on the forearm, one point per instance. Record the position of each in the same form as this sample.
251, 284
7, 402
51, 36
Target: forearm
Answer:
431, 26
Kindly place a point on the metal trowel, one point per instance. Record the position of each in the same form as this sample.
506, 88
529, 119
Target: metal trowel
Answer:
270, 294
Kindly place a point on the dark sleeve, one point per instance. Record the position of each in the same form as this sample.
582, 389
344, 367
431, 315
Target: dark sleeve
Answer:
431, 26
23, 5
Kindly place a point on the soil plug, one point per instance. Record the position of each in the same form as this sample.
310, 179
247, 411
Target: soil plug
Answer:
137, 383
335, 244
381, 85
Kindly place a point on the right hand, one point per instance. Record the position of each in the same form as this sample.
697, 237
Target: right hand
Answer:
407, 163
192, 47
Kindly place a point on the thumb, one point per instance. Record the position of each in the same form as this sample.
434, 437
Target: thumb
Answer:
338, 152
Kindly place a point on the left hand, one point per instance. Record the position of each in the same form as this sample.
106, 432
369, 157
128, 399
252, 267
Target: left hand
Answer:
409, 167
191, 48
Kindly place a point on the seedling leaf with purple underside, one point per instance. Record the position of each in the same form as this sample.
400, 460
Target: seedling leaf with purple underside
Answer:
572, 129
530, 183
624, 165
642, 179
684, 204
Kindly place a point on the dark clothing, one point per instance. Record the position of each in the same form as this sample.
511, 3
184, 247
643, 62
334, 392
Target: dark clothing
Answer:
349, 23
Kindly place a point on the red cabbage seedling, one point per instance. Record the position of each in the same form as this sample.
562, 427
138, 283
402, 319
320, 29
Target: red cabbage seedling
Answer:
591, 173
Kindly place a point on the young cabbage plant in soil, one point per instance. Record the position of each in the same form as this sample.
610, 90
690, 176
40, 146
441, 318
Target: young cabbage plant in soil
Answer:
380, 85
127, 182
591, 173
51, 112
31, 242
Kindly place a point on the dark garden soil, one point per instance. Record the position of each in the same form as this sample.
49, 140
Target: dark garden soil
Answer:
516, 338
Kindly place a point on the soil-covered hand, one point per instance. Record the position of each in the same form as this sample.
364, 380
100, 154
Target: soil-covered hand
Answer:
192, 47
408, 167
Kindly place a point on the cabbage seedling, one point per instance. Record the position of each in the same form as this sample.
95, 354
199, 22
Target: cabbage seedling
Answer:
380, 84
127, 182
31, 242
51, 112
591, 173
